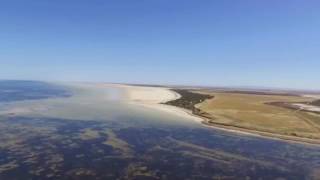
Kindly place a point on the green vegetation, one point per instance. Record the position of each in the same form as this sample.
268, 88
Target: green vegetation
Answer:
316, 103
188, 99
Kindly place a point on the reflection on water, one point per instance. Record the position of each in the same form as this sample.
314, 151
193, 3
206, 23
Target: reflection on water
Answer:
127, 142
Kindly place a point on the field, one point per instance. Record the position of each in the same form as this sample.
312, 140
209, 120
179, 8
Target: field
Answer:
256, 112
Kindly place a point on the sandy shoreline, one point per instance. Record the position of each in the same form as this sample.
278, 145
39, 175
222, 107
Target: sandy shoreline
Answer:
152, 97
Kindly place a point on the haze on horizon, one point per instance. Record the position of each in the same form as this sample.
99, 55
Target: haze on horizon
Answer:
217, 43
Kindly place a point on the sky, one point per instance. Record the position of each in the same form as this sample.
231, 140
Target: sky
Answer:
251, 43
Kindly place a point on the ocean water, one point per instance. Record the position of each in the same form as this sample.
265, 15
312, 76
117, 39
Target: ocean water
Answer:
82, 131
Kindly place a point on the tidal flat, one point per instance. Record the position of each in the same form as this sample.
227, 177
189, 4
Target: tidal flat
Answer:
95, 134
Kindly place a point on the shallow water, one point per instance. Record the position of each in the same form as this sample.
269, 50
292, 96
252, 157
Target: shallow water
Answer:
95, 134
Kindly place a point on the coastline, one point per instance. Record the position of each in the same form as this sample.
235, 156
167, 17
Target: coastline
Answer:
154, 97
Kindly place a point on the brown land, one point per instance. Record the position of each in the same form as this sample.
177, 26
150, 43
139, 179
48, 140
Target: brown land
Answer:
272, 115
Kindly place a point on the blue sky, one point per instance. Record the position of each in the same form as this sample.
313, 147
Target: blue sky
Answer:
268, 43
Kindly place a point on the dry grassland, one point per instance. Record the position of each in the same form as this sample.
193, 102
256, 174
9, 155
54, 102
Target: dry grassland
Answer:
252, 112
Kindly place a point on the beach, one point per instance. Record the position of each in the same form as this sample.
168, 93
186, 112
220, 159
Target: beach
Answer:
154, 97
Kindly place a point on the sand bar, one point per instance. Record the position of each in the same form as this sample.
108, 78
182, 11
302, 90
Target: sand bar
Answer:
153, 97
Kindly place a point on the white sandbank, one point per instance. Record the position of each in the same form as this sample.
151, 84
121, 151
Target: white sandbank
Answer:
307, 107
153, 97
